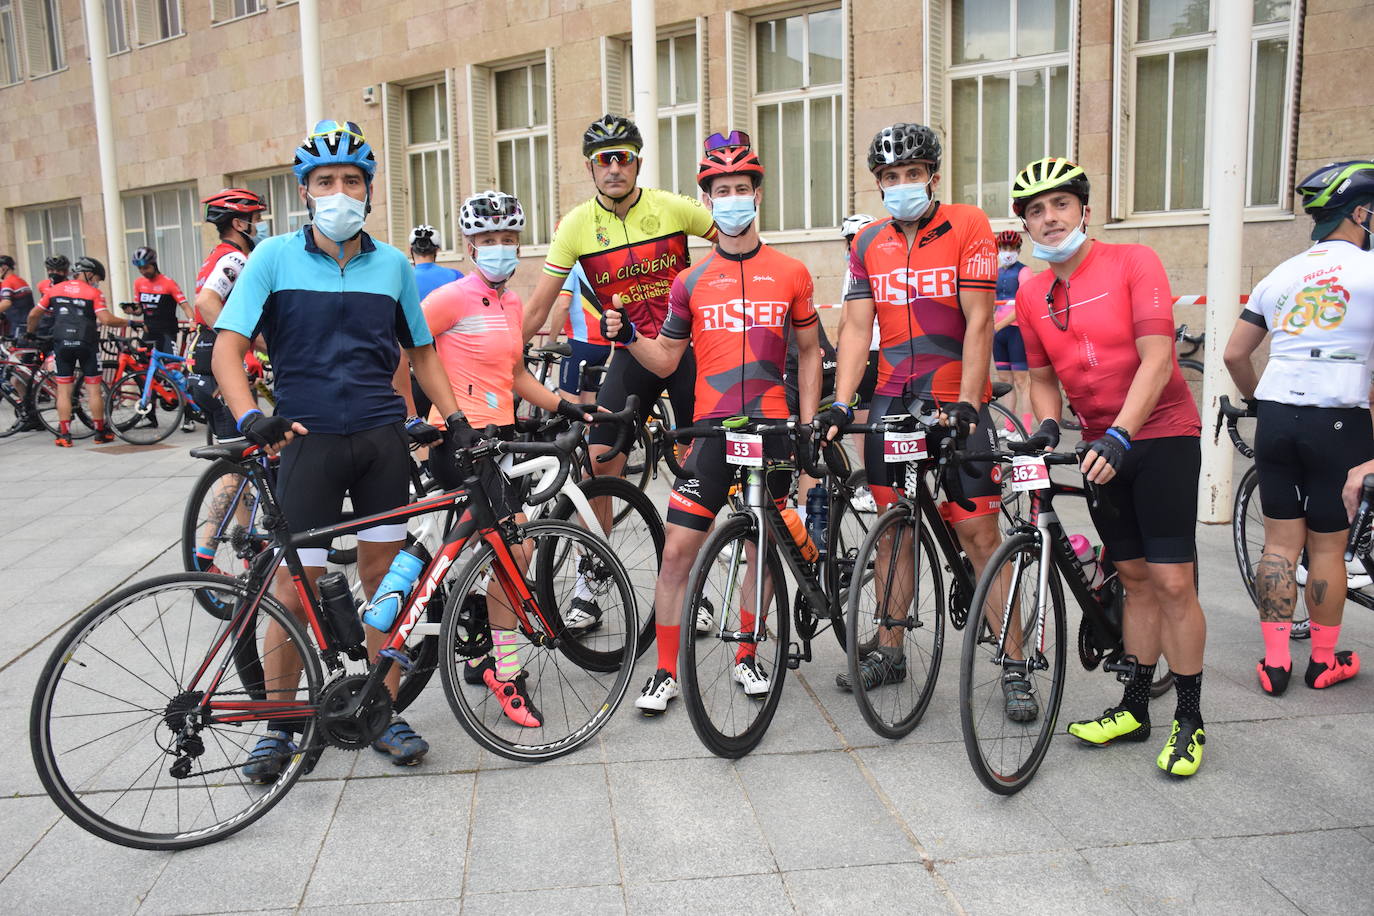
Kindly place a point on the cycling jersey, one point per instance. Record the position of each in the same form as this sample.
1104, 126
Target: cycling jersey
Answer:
219, 273
159, 298
477, 336
1118, 295
332, 332
915, 291
1319, 310
18, 298
430, 276
73, 305
735, 309
584, 309
45, 324
636, 257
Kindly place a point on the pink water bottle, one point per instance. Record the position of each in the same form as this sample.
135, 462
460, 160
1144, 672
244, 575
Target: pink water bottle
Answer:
1087, 557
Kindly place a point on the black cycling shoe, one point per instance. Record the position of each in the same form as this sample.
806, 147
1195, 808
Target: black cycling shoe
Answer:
1273, 681
476, 674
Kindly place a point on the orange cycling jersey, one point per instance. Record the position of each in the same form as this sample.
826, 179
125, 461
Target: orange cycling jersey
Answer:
735, 309
915, 291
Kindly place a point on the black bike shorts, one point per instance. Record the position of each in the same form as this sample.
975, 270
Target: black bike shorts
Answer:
506, 497
583, 356
66, 359
1153, 502
789, 380
625, 376
1302, 456
701, 491
869, 382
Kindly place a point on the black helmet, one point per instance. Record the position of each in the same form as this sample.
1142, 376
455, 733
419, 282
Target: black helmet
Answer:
1333, 191
6, 261
611, 130
904, 143
87, 264
144, 256
57, 263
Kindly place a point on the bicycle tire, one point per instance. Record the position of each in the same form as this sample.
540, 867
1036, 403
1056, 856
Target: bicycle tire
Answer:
1192, 369
880, 707
982, 709
556, 664
845, 532
137, 423
121, 655
627, 540
1013, 502
45, 405
667, 447
221, 491
11, 407
718, 709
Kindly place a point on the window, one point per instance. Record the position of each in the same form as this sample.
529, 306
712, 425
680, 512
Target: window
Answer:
520, 134
10, 71
48, 231
157, 20
167, 220
43, 37
428, 168
679, 94
1169, 65
116, 32
1009, 76
225, 10
798, 97
286, 211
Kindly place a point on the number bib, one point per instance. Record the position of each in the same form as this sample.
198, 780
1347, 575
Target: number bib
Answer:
744, 449
903, 447
1029, 472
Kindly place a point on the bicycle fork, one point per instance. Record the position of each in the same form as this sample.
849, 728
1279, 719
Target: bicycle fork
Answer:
1034, 655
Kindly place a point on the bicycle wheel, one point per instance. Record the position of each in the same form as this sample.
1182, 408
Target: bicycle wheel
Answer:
667, 448
144, 423
1006, 754
726, 719
119, 727
1247, 530
574, 685
639, 470
11, 405
636, 539
45, 403
1193, 371
899, 606
845, 532
221, 528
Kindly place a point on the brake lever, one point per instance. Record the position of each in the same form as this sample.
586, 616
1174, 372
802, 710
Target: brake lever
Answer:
625, 418
954, 487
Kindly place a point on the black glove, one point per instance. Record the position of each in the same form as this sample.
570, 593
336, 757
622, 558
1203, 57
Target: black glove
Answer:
421, 433
627, 328
963, 417
1113, 446
260, 429
575, 412
1046, 437
835, 414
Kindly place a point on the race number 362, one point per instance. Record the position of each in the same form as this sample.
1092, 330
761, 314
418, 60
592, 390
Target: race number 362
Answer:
1028, 472
744, 449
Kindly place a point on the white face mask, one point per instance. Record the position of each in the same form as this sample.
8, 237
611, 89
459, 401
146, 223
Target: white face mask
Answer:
339, 216
1006, 258
1058, 254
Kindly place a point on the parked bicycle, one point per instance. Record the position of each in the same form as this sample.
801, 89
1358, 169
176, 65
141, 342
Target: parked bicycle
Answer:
146, 397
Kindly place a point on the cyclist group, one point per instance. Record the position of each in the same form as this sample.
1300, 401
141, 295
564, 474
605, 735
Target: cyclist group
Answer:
345, 324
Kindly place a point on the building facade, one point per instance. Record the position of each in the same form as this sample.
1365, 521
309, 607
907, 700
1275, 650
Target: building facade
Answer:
459, 96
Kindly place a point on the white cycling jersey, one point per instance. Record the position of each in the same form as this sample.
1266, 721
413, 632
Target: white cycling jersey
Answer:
1319, 310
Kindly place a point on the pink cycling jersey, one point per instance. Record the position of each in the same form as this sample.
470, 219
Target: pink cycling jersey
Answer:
1118, 295
477, 335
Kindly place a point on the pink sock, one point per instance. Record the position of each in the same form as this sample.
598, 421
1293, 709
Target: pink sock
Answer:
1276, 635
1324, 641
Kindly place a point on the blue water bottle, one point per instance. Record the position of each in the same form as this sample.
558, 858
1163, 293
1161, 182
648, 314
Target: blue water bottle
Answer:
381, 611
817, 515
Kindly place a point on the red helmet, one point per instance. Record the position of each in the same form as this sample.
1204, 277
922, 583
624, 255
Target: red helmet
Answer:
729, 160
232, 203
1009, 238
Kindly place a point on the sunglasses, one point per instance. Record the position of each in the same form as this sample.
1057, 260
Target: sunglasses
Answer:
143, 262
1062, 313
333, 129
725, 141
609, 157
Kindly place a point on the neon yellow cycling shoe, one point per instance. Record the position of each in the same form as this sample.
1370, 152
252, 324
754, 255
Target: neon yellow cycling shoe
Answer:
1182, 754
1118, 724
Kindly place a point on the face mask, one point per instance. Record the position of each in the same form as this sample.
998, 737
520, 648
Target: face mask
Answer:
1006, 258
56, 278
1368, 235
497, 262
262, 230
907, 202
338, 216
733, 215
1066, 249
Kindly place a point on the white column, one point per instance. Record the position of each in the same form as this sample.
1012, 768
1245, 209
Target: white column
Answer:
644, 38
311, 73
116, 265
1228, 109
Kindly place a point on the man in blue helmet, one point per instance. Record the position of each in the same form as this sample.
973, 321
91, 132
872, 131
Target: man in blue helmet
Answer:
335, 307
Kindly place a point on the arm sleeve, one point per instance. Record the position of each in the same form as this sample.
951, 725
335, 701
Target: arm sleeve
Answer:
978, 254
42, 302
803, 311
678, 324
441, 312
1255, 305
858, 286
411, 330
243, 311
98, 303
1152, 304
1035, 351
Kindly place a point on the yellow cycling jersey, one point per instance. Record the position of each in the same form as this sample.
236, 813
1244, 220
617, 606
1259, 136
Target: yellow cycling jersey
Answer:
636, 257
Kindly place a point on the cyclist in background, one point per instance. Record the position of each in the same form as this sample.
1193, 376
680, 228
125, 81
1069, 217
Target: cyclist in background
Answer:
76, 307
159, 297
1008, 350
578, 311
57, 267
16, 298
852, 225
424, 248
1142, 428
1312, 405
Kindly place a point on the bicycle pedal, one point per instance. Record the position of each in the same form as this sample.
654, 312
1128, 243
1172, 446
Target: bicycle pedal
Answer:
1126, 669
795, 656
399, 657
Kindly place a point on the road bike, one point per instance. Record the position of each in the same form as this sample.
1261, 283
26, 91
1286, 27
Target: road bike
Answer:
146, 398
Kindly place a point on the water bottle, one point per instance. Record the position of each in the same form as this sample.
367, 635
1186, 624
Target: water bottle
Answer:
1087, 558
385, 605
341, 622
797, 529
817, 515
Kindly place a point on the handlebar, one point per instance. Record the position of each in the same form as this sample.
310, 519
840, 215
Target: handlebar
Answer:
1362, 516
1194, 341
1230, 415
625, 417
562, 448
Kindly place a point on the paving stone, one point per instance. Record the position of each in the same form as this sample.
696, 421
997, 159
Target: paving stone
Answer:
1320, 871
868, 888
566, 901
1057, 882
391, 908
71, 871
1181, 878
747, 895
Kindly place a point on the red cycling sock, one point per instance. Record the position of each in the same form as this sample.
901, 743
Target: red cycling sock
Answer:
1276, 636
667, 637
1324, 641
64, 427
746, 625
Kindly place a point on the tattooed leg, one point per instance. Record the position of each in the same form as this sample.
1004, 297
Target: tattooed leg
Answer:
1325, 592
1276, 588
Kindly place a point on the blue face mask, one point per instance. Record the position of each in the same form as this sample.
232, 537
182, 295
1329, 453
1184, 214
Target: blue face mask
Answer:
1058, 254
733, 215
497, 262
339, 216
907, 202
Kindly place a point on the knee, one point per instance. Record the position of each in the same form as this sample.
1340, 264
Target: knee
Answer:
1174, 588
678, 554
981, 537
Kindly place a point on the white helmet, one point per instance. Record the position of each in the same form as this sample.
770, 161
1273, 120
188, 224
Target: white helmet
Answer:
853, 224
491, 211
425, 238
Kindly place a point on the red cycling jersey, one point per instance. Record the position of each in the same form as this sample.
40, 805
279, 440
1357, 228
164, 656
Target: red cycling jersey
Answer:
159, 298
915, 291
735, 309
1118, 295
219, 273
17, 299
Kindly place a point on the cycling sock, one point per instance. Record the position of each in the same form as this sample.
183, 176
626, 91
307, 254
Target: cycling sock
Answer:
1188, 690
582, 589
64, 427
1324, 641
667, 637
746, 625
1136, 697
100, 426
504, 654
1276, 635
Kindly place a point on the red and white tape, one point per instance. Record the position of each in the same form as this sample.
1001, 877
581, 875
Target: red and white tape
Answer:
1178, 300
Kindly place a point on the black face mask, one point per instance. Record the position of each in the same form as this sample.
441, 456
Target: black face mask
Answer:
57, 278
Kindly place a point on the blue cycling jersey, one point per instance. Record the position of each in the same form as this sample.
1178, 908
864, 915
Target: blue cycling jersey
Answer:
333, 333
430, 276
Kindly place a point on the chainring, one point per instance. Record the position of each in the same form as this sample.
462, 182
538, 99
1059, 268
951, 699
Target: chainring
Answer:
472, 636
352, 733
958, 605
807, 624
1088, 654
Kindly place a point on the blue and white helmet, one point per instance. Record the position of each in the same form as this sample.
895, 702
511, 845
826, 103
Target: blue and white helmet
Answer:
334, 143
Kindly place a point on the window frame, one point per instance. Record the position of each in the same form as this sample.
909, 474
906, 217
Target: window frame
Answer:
13, 48
123, 28
148, 21
76, 242
188, 207
538, 224
217, 9
445, 144
291, 207
49, 18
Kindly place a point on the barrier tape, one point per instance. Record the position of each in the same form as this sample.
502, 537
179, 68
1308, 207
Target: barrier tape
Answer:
1178, 300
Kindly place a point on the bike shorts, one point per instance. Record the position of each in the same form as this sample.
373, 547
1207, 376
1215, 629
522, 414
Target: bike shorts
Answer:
789, 380
506, 497
317, 471
66, 359
1153, 502
625, 376
869, 382
583, 354
701, 491
1302, 455
1009, 350
202, 351
886, 480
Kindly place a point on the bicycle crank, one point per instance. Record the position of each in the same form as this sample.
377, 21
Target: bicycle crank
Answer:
344, 722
